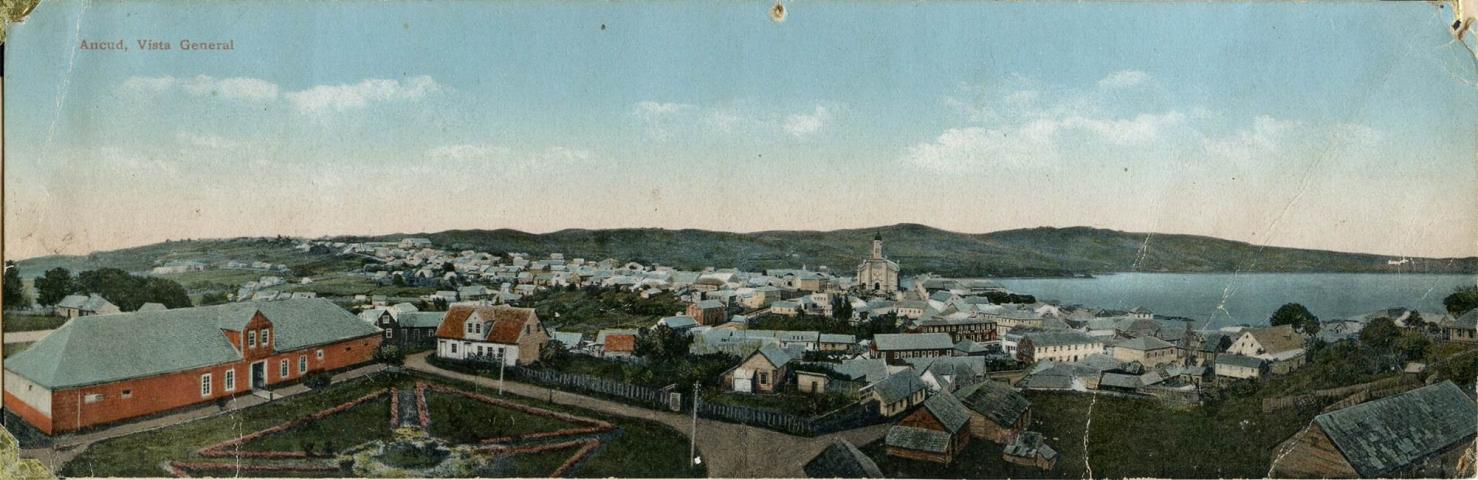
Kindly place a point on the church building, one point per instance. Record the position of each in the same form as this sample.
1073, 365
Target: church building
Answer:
877, 273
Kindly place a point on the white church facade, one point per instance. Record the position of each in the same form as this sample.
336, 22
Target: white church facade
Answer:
877, 273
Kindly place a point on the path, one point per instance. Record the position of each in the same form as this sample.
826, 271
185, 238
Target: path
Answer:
68, 446
26, 337
729, 450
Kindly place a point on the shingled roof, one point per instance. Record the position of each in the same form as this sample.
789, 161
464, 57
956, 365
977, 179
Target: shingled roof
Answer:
507, 322
841, 459
91, 350
948, 410
914, 438
996, 402
1387, 435
913, 341
1277, 339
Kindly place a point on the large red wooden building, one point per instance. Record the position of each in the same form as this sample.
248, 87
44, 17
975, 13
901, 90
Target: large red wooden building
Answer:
102, 369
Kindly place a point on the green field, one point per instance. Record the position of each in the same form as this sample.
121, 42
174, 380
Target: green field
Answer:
637, 449
460, 419
365, 422
589, 311
14, 348
26, 323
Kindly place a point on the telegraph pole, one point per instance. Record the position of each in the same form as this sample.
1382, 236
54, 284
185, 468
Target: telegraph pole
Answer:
693, 436
500, 375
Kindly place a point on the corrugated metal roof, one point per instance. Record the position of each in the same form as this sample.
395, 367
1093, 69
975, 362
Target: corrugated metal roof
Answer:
1387, 435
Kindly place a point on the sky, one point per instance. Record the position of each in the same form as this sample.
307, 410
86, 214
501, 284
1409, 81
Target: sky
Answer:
1346, 126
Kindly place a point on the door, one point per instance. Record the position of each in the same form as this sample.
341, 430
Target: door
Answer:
259, 375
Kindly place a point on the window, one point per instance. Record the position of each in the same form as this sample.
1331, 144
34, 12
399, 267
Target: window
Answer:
302, 364
251, 339
454, 347
205, 385
764, 378
128, 394
389, 333
266, 337
93, 398
282, 370
319, 354
230, 380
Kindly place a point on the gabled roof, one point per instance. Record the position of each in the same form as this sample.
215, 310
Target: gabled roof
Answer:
837, 338
913, 341
841, 459
507, 322
775, 355
898, 386
1277, 339
948, 410
421, 319
1384, 436
1060, 338
100, 349
89, 303
996, 402
1238, 360
1468, 321
1145, 343
620, 343
914, 438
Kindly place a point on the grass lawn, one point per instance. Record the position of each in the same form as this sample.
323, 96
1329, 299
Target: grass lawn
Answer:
26, 323
638, 448
1129, 438
459, 419
338, 284
793, 403
536, 465
590, 311
368, 421
14, 348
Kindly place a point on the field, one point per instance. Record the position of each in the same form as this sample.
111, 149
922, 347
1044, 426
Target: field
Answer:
14, 348
1127, 438
636, 448
26, 323
589, 311
462, 420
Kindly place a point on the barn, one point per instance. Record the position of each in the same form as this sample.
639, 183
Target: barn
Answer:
98, 370
1418, 433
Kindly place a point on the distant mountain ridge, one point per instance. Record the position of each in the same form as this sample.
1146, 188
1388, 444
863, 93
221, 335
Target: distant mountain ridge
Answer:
1043, 251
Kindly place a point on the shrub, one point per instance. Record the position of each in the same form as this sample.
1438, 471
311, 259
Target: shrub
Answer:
390, 355
318, 380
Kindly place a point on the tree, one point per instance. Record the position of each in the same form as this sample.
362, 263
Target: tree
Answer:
398, 280
15, 289
129, 292
1296, 315
553, 354
662, 343
54, 285
841, 309
1379, 333
1462, 300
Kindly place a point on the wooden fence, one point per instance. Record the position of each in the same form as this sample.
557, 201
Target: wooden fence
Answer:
851, 416
645, 396
1350, 394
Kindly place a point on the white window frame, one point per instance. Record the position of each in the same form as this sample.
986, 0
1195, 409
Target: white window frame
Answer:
266, 338
282, 369
228, 380
205, 385
302, 364
251, 339
319, 354
92, 398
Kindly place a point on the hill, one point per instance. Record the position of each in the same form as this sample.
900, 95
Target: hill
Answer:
917, 248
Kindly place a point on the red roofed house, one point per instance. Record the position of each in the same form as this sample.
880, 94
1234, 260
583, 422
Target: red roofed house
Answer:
512, 335
619, 345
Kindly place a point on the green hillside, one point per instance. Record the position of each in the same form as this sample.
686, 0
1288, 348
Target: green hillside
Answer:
917, 248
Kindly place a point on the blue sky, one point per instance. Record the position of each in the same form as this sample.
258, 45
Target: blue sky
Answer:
1346, 126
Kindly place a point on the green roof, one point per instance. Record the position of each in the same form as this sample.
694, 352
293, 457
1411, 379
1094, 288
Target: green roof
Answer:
420, 319
100, 349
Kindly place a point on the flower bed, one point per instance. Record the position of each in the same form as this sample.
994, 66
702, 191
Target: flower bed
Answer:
221, 449
394, 408
585, 448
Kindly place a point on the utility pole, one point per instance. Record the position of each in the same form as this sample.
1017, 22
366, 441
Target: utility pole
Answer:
693, 435
500, 374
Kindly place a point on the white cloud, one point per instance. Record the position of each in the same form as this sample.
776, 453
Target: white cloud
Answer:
481, 154
1143, 128
236, 88
338, 98
1265, 139
1124, 79
468, 152
960, 150
805, 125
207, 141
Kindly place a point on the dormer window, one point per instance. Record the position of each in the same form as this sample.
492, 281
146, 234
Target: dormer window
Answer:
251, 339
266, 337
